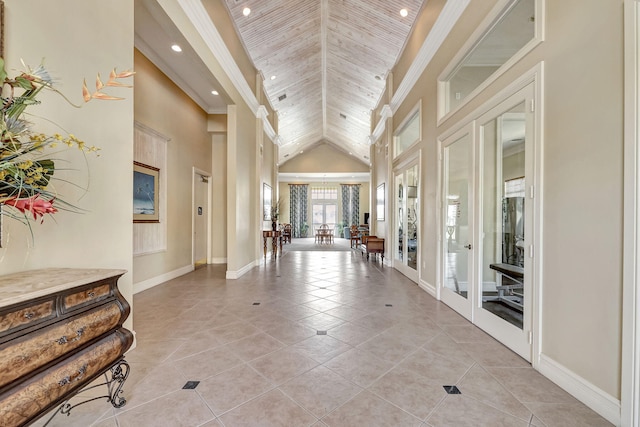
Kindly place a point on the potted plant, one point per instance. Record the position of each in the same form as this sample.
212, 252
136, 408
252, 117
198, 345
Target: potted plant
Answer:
304, 229
275, 213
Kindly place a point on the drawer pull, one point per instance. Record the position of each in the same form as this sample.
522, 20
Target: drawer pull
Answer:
63, 339
91, 294
29, 315
68, 380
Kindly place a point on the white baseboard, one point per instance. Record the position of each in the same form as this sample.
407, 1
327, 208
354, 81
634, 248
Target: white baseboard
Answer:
427, 287
155, 281
218, 261
601, 402
238, 273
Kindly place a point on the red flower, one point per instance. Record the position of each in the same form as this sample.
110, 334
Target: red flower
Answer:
34, 204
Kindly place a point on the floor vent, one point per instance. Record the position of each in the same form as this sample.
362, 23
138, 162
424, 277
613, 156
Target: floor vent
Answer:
451, 389
388, 305
190, 385
322, 333
256, 303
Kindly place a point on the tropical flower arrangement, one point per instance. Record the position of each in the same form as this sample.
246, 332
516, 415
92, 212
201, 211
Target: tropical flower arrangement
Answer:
27, 164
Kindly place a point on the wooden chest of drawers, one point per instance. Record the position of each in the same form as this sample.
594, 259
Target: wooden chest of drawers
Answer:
59, 330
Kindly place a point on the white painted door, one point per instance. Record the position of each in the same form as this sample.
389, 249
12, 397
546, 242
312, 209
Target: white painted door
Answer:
200, 218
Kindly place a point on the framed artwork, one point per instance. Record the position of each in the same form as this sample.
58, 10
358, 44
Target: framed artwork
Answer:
267, 197
380, 202
145, 193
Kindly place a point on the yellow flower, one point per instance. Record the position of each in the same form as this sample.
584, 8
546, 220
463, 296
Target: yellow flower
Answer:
25, 165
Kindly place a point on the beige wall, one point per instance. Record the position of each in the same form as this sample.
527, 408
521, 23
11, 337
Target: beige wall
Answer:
582, 171
244, 205
162, 106
323, 158
74, 50
219, 197
220, 17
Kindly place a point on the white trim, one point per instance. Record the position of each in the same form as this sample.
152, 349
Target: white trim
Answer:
416, 111
218, 261
147, 129
630, 370
595, 398
158, 280
197, 14
447, 18
266, 125
490, 21
202, 173
232, 275
385, 113
427, 287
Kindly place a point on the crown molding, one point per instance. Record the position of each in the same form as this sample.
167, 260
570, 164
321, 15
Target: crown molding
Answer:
447, 18
263, 114
385, 113
197, 14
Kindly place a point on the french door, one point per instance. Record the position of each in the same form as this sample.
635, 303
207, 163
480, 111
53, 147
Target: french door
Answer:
487, 215
407, 219
457, 257
324, 213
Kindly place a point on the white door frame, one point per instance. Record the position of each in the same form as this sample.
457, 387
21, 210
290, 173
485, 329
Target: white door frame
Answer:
195, 177
457, 302
410, 161
536, 76
630, 381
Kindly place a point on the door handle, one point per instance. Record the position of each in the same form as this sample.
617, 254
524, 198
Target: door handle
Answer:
468, 246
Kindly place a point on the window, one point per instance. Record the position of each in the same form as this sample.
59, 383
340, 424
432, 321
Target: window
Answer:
324, 193
506, 36
409, 132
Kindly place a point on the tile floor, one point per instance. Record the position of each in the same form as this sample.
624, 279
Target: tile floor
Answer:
258, 347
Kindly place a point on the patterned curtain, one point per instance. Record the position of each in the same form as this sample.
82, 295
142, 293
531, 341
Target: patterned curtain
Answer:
350, 204
298, 207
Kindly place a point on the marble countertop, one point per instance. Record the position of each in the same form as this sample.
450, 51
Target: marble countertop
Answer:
27, 285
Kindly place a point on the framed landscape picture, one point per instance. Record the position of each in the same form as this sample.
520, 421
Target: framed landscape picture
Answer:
145, 193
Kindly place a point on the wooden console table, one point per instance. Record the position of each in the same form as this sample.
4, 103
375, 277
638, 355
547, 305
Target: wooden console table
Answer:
60, 329
276, 236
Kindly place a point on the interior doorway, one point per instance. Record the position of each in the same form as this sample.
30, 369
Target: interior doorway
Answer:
201, 235
488, 212
407, 218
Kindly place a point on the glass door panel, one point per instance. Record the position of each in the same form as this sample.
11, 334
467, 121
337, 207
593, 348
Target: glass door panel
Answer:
413, 203
503, 224
324, 214
458, 216
400, 211
407, 219
503, 305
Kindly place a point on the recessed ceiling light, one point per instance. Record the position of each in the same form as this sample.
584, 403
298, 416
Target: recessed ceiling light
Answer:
176, 48
214, 92
273, 77
378, 78
404, 13
301, 151
246, 11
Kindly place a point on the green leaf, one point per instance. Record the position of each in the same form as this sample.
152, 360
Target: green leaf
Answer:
25, 84
3, 72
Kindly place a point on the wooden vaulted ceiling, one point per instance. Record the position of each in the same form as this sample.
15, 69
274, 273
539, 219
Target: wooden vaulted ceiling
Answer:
330, 59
